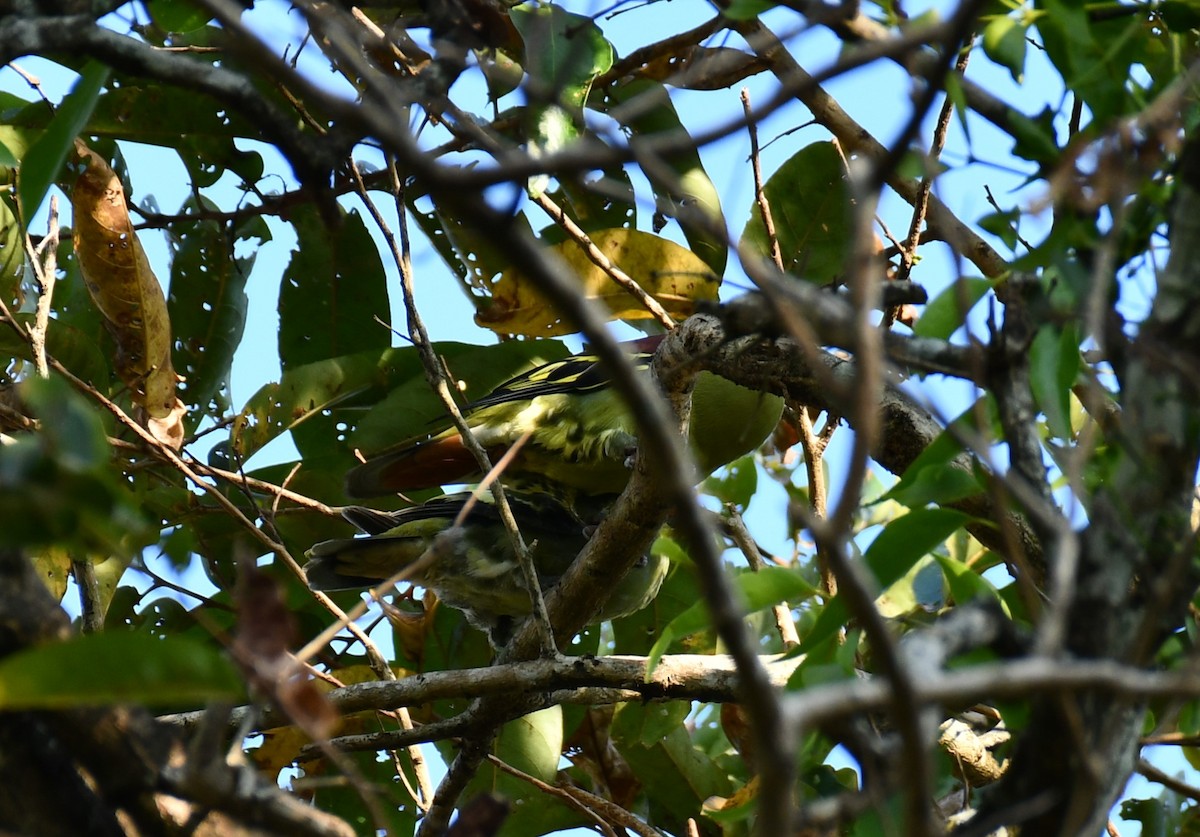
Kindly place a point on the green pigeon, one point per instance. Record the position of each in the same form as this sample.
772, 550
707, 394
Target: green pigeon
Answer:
581, 435
473, 567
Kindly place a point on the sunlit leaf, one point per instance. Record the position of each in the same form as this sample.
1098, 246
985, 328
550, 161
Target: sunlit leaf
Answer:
123, 286
533, 744
965, 584
1004, 43
53, 566
673, 275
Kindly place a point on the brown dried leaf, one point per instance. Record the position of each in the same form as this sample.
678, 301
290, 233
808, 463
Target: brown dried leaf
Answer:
704, 68
737, 728
124, 288
169, 429
673, 275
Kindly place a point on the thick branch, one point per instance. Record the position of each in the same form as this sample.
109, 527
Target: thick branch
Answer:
676, 677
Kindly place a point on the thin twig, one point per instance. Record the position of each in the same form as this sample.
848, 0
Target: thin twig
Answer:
598, 258
171, 457
908, 253
44, 261
745, 542
1167, 780
781, 611
564, 793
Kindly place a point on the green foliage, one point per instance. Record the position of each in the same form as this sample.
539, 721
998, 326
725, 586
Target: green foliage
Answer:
41, 164
810, 205
893, 553
948, 310
117, 666
57, 486
1102, 161
336, 279
208, 303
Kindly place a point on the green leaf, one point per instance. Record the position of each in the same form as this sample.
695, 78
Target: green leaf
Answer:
898, 547
1180, 15
1003, 225
949, 309
305, 391
1035, 138
1094, 57
601, 203
42, 163
654, 722
1159, 817
676, 776
12, 255
70, 427
919, 589
68, 345
736, 483
196, 128
390, 384
747, 9
344, 798
178, 15
757, 591
532, 744
116, 666
637, 632
1053, 365
332, 290
1004, 43
207, 305
564, 52
934, 477
965, 584
645, 108
7, 157
810, 206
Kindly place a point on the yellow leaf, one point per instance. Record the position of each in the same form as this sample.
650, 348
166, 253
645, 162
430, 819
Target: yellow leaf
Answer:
673, 275
53, 566
124, 288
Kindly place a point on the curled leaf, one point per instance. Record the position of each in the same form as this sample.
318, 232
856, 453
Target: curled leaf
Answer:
673, 275
126, 291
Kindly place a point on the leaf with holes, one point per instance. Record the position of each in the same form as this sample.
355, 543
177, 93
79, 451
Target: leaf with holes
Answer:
125, 289
676, 277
